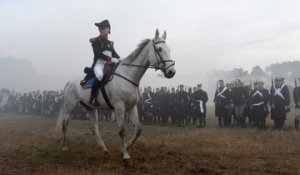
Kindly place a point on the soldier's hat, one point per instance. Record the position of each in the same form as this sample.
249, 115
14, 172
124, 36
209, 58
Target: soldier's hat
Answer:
279, 78
260, 82
102, 24
199, 85
256, 82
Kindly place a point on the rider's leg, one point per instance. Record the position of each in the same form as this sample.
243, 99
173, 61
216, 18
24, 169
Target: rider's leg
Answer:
98, 70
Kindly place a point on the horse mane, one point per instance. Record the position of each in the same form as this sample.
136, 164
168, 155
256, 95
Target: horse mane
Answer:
139, 48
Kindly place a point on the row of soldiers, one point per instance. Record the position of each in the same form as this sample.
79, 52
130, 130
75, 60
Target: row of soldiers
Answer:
179, 106
256, 103
46, 103
233, 104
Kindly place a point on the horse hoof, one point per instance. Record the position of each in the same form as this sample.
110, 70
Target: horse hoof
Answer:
65, 148
127, 162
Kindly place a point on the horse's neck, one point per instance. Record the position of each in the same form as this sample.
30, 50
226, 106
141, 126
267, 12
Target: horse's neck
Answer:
134, 73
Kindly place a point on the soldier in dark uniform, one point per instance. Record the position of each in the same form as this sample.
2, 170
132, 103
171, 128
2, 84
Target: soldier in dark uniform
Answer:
279, 101
200, 99
156, 108
296, 95
148, 105
182, 100
222, 100
104, 52
267, 94
248, 111
239, 98
231, 113
189, 106
164, 106
258, 101
173, 105
193, 112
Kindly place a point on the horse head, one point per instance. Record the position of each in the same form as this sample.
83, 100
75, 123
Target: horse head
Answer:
162, 59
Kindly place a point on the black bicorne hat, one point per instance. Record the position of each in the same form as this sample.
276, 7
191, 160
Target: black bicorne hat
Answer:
104, 23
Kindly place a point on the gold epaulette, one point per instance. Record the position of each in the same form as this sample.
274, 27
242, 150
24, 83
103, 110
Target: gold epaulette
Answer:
92, 40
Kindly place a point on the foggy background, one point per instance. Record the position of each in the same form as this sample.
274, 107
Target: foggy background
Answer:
43, 44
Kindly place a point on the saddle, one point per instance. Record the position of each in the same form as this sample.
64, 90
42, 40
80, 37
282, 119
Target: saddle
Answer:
89, 79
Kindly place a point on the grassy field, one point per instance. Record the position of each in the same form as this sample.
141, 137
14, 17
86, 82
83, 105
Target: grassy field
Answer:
30, 145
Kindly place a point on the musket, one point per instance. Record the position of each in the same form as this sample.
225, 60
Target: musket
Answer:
296, 90
272, 87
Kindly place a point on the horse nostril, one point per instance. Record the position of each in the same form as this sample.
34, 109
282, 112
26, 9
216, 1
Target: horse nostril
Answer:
171, 73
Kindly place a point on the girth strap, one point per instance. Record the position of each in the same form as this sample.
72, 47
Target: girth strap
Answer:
106, 97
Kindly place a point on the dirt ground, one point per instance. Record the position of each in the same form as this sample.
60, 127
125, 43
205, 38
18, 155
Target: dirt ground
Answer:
30, 145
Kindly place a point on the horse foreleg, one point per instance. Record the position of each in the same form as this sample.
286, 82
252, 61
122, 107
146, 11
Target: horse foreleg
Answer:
65, 124
133, 116
120, 116
93, 115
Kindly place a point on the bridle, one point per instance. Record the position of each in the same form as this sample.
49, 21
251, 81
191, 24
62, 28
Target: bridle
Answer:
158, 58
161, 64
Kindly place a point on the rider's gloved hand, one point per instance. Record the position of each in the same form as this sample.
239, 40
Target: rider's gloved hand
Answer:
115, 60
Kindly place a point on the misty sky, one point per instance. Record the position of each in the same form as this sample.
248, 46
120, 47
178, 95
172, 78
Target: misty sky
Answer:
202, 34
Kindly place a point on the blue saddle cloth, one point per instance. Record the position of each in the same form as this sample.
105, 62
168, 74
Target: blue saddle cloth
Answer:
89, 83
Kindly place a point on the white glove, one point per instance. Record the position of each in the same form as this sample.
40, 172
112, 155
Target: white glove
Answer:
115, 60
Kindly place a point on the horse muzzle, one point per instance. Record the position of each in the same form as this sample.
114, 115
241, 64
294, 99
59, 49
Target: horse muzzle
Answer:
170, 73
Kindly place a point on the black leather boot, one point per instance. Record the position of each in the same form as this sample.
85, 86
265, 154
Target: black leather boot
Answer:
95, 87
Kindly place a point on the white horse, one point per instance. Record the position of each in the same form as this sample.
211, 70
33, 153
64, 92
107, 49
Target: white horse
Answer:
122, 90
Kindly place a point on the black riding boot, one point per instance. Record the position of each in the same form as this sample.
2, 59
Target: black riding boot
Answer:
296, 124
95, 87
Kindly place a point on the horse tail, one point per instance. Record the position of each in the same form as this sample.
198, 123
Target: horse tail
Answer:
61, 114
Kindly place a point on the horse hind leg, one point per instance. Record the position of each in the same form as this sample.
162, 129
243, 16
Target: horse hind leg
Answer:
133, 116
93, 115
65, 124
62, 124
66, 115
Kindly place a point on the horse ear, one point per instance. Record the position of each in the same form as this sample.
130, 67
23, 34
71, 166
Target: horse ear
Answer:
164, 35
156, 34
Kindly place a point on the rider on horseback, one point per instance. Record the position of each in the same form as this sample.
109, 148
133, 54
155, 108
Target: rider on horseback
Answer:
104, 52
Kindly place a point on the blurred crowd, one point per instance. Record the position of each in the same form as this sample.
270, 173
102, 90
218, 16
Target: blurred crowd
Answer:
235, 104
46, 103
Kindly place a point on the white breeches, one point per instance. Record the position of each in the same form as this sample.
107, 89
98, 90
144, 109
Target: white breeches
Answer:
98, 69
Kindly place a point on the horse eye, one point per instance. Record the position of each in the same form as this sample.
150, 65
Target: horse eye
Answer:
159, 49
